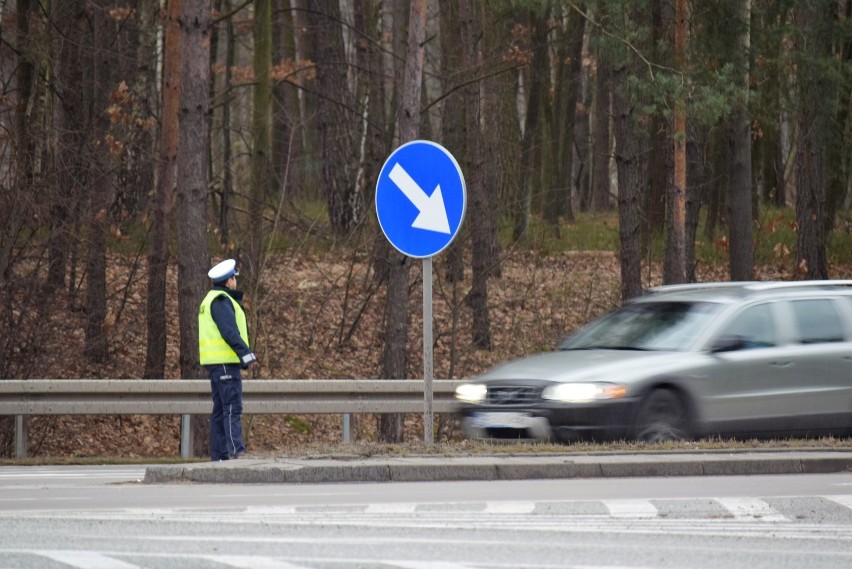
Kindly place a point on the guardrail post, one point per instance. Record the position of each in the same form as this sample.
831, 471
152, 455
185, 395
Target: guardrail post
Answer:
185, 436
20, 436
347, 428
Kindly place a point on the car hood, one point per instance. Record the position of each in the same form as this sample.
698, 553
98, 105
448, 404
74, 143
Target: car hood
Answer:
589, 365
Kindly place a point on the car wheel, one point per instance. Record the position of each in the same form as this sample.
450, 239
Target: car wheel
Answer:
662, 417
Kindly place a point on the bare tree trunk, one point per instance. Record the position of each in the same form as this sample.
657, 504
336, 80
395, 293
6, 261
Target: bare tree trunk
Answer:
155, 359
306, 160
193, 257
810, 165
535, 85
659, 161
492, 169
68, 144
373, 131
345, 204
810, 206
741, 220
227, 189
629, 143
95, 348
601, 153
697, 183
839, 147
452, 138
471, 29
551, 131
284, 106
135, 187
394, 360
262, 187
13, 197
566, 90
714, 190
453, 119
398, 13
675, 265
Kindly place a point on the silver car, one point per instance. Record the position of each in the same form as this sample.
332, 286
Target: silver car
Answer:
745, 358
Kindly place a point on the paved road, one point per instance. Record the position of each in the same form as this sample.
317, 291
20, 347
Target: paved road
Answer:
70, 475
75, 519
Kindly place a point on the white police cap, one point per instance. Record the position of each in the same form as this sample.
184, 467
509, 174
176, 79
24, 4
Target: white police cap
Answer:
223, 271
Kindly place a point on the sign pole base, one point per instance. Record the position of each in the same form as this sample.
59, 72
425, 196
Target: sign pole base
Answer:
428, 370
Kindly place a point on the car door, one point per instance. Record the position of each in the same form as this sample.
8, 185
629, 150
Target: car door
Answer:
818, 379
742, 389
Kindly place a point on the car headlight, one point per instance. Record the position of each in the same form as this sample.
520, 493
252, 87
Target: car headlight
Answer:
471, 392
583, 392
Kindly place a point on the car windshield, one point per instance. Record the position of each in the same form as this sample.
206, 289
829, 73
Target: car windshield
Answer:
667, 326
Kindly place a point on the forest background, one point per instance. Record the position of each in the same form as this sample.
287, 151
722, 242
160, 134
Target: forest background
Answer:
607, 146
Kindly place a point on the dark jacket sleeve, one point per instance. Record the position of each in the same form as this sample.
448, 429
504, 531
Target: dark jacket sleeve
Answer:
225, 318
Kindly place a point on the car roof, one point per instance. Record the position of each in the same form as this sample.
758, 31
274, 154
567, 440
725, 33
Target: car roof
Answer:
725, 292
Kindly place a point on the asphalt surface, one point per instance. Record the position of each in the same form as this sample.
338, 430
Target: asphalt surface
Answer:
551, 466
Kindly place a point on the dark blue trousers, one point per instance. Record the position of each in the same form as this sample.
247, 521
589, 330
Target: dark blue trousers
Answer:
226, 426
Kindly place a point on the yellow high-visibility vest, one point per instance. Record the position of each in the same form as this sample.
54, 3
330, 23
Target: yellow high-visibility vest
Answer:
212, 348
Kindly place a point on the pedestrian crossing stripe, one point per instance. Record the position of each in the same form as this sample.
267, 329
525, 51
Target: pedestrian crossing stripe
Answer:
735, 508
751, 508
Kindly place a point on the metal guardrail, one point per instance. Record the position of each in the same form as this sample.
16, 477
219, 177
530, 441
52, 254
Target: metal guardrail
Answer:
186, 397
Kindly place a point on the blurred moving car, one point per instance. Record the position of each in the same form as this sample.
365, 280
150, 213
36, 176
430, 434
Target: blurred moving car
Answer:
738, 359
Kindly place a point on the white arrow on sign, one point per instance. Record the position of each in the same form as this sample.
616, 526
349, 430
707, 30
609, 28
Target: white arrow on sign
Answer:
433, 214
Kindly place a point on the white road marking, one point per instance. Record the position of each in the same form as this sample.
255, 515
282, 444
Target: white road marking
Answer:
842, 499
52, 499
135, 474
260, 562
608, 567
509, 507
252, 562
390, 508
429, 565
86, 560
413, 514
631, 508
270, 510
751, 508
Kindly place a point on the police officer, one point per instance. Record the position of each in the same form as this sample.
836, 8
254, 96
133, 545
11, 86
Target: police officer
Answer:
223, 349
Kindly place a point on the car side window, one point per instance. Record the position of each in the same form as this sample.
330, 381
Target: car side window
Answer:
755, 326
817, 321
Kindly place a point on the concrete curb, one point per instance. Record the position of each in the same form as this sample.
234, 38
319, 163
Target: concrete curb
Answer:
421, 469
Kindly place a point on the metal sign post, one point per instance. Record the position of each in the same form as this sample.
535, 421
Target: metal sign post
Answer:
421, 224
428, 367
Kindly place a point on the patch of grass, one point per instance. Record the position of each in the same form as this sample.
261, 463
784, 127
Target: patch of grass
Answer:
775, 236
312, 231
840, 241
298, 425
465, 447
524, 448
588, 232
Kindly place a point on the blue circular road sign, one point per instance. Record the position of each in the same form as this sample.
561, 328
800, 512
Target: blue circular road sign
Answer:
420, 198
